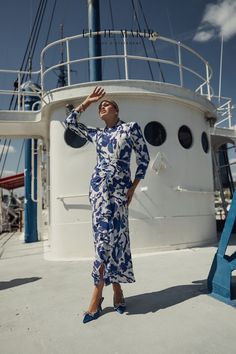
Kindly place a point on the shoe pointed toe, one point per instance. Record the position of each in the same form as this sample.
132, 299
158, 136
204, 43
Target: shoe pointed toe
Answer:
88, 316
120, 309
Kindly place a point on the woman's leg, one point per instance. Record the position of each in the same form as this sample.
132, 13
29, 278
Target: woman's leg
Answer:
118, 293
97, 293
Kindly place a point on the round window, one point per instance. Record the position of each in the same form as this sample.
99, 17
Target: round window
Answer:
205, 142
74, 140
155, 133
185, 137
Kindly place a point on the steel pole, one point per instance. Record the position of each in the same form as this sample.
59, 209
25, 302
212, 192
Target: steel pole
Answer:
30, 209
95, 66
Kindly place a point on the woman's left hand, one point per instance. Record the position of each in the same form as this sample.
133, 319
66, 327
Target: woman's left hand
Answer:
130, 194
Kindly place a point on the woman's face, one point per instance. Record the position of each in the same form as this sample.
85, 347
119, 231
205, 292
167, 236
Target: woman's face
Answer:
107, 111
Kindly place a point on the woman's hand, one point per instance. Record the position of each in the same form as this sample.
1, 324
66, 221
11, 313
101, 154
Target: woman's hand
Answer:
96, 95
130, 194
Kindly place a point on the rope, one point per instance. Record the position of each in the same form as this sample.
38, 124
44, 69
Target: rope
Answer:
21, 151
29, 53
154, 49
2, 152
145, 50
49, 30
5, 158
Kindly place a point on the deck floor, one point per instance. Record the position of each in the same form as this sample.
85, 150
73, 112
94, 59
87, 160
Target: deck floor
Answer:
168, 309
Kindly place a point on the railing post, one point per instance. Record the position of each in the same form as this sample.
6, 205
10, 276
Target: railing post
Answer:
41, 74
180, 65
125, 57
229, 113
208, 84
18, 92
68, 62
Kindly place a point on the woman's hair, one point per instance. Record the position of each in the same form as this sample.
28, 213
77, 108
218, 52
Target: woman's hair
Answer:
113, 103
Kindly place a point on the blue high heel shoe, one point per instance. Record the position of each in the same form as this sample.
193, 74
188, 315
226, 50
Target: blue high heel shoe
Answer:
120, 307
90, 316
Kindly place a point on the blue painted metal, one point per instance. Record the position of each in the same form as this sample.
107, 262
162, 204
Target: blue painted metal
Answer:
220, 275
30, 210
95, 66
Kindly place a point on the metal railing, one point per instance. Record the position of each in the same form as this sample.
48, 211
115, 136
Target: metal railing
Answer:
128, 57
19, 92
74, 57
224, 112
223, 105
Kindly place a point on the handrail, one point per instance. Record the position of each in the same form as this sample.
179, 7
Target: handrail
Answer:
126, 56
183, 189
204, 75
224, 110
61, 197
19, 72
18, 91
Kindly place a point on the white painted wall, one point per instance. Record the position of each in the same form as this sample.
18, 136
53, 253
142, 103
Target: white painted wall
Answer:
160, 216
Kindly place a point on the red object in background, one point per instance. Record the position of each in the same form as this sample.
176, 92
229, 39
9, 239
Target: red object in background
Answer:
12, 182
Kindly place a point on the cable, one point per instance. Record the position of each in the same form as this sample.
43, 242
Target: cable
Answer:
139, 28
154, 49
19, 160
50, 24
39, 28
5, 158
2, 152
27, 48
49, 30
32, 32
29, 53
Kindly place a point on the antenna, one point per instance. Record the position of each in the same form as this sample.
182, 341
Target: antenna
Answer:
221, 62
62, 43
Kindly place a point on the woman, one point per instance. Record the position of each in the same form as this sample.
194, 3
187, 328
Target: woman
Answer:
111, 191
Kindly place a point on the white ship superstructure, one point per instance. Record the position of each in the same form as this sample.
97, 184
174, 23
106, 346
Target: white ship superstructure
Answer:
174, 206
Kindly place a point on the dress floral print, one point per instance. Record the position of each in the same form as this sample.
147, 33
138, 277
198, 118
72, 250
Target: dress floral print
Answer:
109, 185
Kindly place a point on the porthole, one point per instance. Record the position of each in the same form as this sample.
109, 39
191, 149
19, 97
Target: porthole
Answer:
185, 137
205, 142
155, 133
74, 140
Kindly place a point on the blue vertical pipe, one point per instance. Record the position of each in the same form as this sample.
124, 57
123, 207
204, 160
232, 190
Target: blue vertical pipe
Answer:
95, 66
30, 210
30, 214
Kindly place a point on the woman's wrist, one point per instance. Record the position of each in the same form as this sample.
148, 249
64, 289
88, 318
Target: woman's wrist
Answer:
82, 107
135, 183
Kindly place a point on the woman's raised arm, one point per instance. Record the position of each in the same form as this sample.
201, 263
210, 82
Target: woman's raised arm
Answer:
95, 96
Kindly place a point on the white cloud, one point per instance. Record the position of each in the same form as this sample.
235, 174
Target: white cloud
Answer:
11, 149
219, 19
204, 35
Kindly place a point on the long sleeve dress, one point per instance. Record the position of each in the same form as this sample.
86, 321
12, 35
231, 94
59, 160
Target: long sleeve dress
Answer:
109, 185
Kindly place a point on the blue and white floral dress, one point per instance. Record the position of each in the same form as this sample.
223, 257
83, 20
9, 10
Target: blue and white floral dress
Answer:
109, 185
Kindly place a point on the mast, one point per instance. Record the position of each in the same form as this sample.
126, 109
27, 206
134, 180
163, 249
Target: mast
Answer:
95, 66
61, 82
31, 162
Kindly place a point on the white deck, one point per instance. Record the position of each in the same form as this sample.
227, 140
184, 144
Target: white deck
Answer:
168, 311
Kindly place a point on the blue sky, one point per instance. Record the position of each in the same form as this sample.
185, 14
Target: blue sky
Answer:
199, 24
